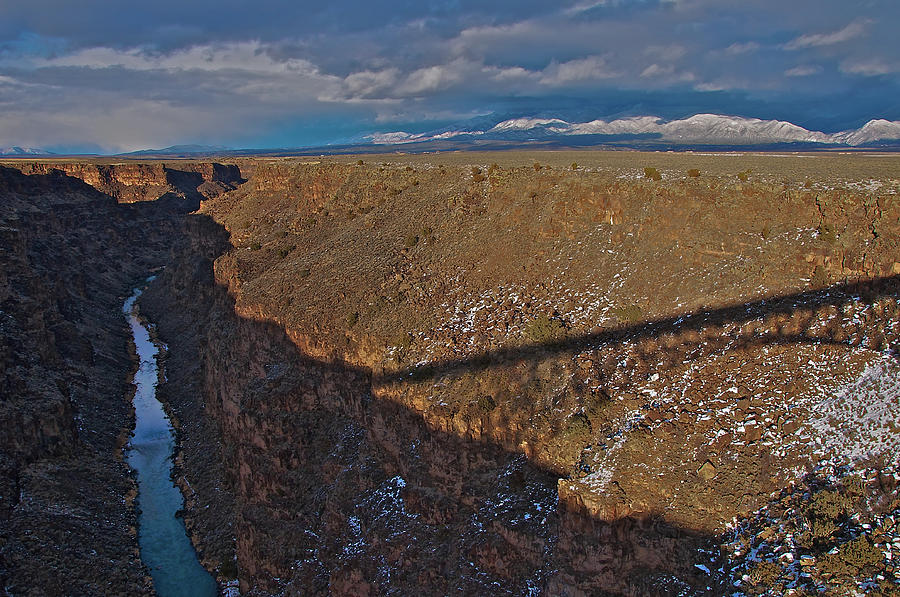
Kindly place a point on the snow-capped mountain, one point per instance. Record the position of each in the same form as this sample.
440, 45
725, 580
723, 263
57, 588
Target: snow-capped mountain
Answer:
700, 129
16, 150
873, 131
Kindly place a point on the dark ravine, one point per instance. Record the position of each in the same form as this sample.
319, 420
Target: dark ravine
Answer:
70, 253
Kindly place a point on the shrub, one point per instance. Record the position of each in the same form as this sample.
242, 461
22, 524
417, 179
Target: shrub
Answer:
574, 165
285, 251
744, 176
359, 162
693, 173
411, 241
486, 403
819, 277
351, 319
544, 329
476, 170
826, 233
255, 246
229, 569
652, 173
493, 168
536, 166
823, 510
303, 273
577, 424
628, 313
852, 558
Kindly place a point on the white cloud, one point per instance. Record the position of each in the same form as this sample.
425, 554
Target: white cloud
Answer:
870, 68
370, 83
655, 70
669, 53
803, 71
591, 68
852, 30
433, 78
237, 56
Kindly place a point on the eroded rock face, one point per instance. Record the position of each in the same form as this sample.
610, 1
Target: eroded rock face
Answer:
132, 182
339, 491
69, 254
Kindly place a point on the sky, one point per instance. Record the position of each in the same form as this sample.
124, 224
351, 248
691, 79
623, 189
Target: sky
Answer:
115, 75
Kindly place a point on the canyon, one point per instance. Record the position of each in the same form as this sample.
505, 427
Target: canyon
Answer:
561, 373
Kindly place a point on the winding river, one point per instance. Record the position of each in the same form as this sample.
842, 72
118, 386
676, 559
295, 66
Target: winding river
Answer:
166, 549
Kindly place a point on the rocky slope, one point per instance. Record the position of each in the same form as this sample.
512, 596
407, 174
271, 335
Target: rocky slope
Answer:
573, 379
70, 254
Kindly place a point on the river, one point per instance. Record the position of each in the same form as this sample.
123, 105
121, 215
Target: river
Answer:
165, 547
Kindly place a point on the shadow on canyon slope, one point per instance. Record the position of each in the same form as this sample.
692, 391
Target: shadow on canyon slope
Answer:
797, 312
341, 492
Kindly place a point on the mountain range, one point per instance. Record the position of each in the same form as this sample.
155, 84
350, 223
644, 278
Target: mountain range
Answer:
637, 132
700, 129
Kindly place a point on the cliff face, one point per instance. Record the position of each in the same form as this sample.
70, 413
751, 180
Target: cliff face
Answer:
332, 484
568, 381
69, 254
132, 182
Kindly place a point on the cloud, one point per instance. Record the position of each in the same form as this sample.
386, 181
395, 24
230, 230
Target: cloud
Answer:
803, 71
433, 78
655, 70
251, 56
590, 68
736, 49
234, 76
852, 30
870, 68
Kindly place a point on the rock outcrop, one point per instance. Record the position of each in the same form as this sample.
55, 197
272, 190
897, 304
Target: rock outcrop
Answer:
189, 182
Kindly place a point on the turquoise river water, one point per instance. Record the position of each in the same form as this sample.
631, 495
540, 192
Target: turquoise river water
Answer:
165, 547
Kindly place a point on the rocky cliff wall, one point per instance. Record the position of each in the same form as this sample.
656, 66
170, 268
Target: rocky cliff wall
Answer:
132, 182
69, 255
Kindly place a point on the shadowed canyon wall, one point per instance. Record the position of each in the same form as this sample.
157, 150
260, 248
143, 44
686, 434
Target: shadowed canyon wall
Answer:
70, 253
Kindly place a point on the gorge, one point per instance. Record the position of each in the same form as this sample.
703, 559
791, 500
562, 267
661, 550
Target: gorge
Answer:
479, 374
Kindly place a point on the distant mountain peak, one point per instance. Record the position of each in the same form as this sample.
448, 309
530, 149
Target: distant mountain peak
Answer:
181, 150
16, 150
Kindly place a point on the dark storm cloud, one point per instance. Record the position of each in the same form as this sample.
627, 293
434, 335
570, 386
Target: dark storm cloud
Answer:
255, 73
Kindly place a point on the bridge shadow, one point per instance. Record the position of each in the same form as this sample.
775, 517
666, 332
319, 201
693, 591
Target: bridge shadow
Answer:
339, 490
799, 309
